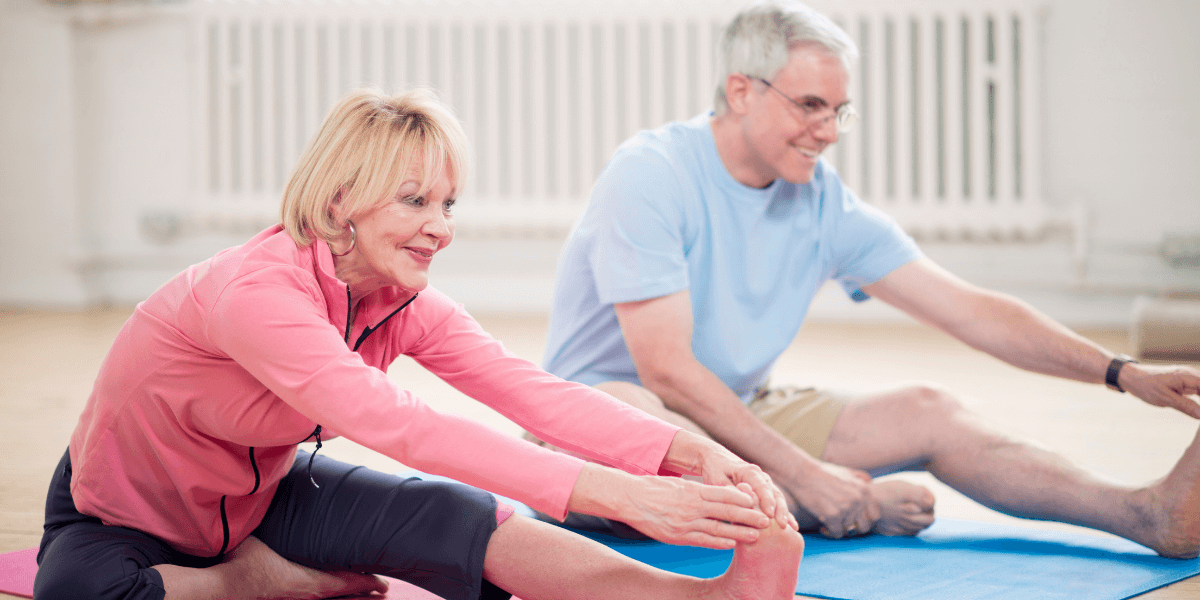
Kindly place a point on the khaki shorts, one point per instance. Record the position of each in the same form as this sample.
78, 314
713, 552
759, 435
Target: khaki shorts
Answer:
803, 415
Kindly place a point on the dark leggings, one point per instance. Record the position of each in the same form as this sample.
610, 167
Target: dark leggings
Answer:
431, 534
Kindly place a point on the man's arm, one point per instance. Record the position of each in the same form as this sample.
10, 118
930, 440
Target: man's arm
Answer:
1018, 334
658, 333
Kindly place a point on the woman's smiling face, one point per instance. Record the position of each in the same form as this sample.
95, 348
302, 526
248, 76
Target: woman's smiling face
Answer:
396, 241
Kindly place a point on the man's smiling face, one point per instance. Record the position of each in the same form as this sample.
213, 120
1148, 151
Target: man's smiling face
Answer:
789, 126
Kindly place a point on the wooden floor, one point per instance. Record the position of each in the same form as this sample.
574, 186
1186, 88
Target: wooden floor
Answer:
48, 361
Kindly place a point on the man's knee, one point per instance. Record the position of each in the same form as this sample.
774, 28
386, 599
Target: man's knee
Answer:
649, 402
635, 396
931, 403
631, 393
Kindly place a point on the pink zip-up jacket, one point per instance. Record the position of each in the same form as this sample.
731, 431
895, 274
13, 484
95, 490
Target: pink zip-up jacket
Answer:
215, 379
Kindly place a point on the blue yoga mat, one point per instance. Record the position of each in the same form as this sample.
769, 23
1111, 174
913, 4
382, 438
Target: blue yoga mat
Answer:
960, 560
968, 560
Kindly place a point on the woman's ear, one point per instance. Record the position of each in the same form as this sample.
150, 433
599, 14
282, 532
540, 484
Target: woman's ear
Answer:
335, 206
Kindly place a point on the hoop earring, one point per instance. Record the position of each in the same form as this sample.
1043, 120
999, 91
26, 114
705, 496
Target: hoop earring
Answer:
353, 240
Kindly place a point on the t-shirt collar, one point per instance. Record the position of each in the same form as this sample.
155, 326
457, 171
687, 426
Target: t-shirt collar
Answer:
723, 177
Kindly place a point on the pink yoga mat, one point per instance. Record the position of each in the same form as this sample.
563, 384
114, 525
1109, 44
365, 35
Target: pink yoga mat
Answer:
16, 572
18, 568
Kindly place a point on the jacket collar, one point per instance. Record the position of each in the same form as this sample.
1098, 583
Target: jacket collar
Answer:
373, 309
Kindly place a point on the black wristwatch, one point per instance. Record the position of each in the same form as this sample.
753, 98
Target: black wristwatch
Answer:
1114, 370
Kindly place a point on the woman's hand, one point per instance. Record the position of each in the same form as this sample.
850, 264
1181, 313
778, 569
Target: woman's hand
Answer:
669, 509
691, 454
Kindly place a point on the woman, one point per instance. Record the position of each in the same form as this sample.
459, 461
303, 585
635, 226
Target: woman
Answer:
183, 478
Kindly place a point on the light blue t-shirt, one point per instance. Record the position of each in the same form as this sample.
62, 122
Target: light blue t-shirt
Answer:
666, 216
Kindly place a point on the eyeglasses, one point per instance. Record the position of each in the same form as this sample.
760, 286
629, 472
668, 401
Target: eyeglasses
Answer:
845, 116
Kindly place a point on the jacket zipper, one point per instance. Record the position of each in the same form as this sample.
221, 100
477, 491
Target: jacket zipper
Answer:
368, 330
225, 517
349, 323
316, 432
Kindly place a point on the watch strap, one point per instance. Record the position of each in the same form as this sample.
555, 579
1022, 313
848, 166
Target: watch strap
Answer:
1114, 371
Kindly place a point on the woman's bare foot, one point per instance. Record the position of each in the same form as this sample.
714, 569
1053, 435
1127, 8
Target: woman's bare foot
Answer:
765, 570
904, 508
259, 572
1168, 511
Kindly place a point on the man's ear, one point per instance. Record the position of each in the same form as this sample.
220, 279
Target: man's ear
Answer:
737, 88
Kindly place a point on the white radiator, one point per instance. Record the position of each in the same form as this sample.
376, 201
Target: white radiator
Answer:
948, 94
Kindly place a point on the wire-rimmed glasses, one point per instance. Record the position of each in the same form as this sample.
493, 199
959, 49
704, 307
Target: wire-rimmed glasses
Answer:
844, 116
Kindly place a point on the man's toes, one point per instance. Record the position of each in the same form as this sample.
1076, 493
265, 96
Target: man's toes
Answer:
925, 500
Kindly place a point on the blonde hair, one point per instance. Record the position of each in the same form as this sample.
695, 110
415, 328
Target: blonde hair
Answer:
359, 157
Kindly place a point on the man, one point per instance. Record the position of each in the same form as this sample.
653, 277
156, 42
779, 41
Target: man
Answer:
704, 243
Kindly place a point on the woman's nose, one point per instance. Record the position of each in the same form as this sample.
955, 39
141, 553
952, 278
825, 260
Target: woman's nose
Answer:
437, 225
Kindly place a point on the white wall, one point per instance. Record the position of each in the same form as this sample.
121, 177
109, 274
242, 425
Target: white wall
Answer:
1122, 127
40, 237
94, 137
1122, 131
134, 110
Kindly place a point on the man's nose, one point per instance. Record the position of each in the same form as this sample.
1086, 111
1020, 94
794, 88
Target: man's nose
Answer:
826, 130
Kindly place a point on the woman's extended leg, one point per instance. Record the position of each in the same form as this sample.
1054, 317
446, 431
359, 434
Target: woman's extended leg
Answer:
444, 537
526, 557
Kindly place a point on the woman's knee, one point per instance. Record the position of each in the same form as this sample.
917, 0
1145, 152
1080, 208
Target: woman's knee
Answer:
91, 564
439, 537
142, 585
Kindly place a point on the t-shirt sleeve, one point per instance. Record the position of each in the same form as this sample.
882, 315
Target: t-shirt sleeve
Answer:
638, 218
866, 244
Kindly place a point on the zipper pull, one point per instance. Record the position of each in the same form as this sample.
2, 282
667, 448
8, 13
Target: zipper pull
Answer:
316, 432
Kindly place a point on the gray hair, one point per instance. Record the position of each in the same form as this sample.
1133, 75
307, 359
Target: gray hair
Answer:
759, 38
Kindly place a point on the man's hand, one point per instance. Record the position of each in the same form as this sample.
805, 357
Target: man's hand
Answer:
838, 497
1163, 385
1018, 334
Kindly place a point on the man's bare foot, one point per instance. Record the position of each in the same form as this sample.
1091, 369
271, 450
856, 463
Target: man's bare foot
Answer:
1169, 510
259, 572
765, 570
904, 508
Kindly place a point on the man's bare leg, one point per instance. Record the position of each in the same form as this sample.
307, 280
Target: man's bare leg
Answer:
524, 557
254, 571
905, 508
926, 426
